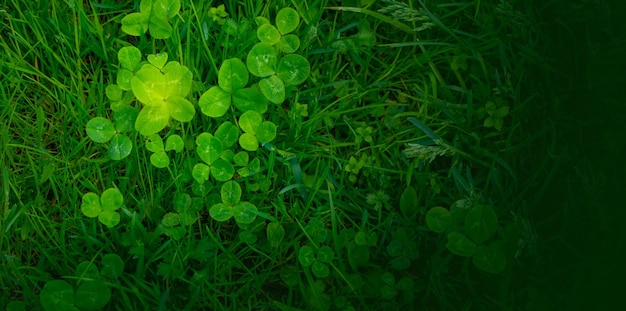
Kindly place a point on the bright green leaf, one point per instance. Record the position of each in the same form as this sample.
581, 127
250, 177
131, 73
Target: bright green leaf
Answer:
91, 205
129, 57
244, 212
222, 170
120, 147
233, 75
180, 108
221, 212
227, 134
158, 60
269, 34
248, 142
174, 142
200, 172
215, 102
287, 20
231, 193
113, 92
111, 199
262, 60
249, 121
100, 130
160, 159
154, 143
249, 99
289, 43
109, 218
135, 24
273, 88
209, 148
241, 158
293, 69
266, 132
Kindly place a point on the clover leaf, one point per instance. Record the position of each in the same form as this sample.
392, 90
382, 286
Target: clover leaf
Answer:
232, 206
273, 88
481, 223
210, 149
293, 69
162, 93
496, 115
103, 207
262, 60
287, 20
154, 15
255, 130
57, 295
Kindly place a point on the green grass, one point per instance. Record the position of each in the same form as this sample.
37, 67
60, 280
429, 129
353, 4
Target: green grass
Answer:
371, 71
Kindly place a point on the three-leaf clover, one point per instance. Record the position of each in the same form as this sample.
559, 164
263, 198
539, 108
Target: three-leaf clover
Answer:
210, 149
104, 207
232, 79
153, 15
496, 115
162, 89
318, 262
255, 130
101, 130
159, 158
232, 206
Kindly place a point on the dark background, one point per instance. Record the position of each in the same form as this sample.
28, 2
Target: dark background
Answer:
580, 209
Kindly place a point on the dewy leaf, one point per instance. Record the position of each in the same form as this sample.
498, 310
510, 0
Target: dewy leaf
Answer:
460, 245
293, 69
250, 99
231, 193
273, 88
214, 102
129, 57
306, 256
244, 212
91, 205
269, 34
57, 295
248, 142
249, 121
152, 119
262, 59
233, 75
111, 199
100, 130
266, 132
92, 295
287, 20
120, 147
481, 223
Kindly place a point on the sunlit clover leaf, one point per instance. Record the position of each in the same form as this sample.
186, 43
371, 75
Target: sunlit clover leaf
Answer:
269, 34
287, 20
262, 60
129, 58
230, 193
266, 132
273, 88
250, 99
91, 205
158, 60
201, 172
103, 207
293, 69
174, 142
232, 75
57, 295
162, 96
249, 121
215, 102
